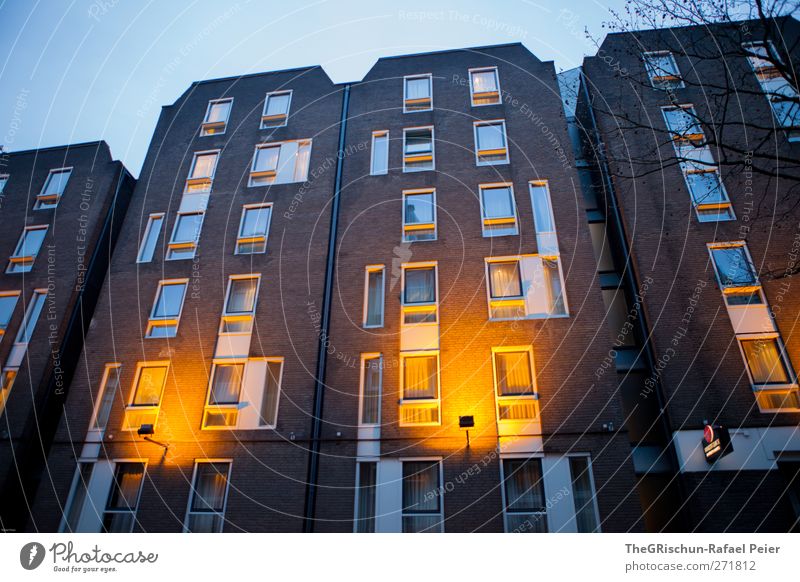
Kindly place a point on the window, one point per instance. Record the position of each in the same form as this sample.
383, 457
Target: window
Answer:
490, 143
373, 296
150, 238
276, 109
106, 397
524, 287
781, 94
583, 496
515, 389
422, 502
3, 182
506, 300
546, 238
216, 118
28, 325
240, 304
484, 86
53, 189
280, 163
185, 236
30, 241
166, 311
123, 498
525, 506
77, 498
420, 304
418, 152
6, 383
498, 210
253, 229
770, 373
371, 382
145, 399
736, 274
417, 93
380, 153
8, 301
366, 482
419, 215
419, 395
243, 394
201, 173
663, 70
683, 124
703, 181
208, 496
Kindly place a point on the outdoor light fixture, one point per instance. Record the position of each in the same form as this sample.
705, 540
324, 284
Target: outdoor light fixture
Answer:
146, 431
465, 423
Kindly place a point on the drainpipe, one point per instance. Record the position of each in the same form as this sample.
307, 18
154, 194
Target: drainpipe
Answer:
319, 384
631, 280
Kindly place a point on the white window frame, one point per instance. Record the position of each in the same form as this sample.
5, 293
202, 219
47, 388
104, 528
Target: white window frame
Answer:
382, 133
411, 227
770, 71
50, 201
149, 231
285, 117
420, 307
154, 321
781, 347
590, 470
362, 384
534, 397
133, 510
732, 290
240, 316
101, 393
193, 492
240, 239
176, 245
27, 261
656, 79
131, 408
214, 125
367, 270
485, 123
33, 311
206, 183
407, 169
473, 95
15, 295
486, 221
516, 300
274, 173
677, 138
407, 78
420, 402
223, 408
439, 492
521, 456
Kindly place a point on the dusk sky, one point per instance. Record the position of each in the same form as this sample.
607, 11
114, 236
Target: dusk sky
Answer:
85, 70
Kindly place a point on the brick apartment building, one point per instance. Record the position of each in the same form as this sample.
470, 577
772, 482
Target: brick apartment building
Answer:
61, 208
710, 243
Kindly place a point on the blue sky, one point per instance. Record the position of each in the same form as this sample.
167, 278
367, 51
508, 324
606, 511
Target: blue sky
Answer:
83, 70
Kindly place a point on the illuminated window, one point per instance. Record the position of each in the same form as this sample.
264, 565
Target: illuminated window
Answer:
253, 229
418, 152
243, 394
419, 215
491, 147
109, 387
419, 302
280, 163
662, 70
506, 299
515, 389
380, 153
166, 312
524, 287
419, 396
150, 239
123, 498
484, 86
736, 274
201, 173
524, 502
417, 93
371, 383
498, 209
373, 296
53, 189
145, 399
781, 94
276, 109
422, 497
208, 497
366, 484
770, 372
28, 246
185, 236
222, 408
216, 118
240, 304
8, 301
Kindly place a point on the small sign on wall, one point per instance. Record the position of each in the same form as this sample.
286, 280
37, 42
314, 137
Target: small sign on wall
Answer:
716, 442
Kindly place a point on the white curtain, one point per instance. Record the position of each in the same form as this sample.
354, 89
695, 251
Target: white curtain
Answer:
483, 82
278, 104
204, 165
242, 296
765, 362
227, 383
513, 373
420, 286
505, 280
219, 112
301, 162
420, 484
497, 202
372, 391
524, 485
209, 487
418, 88
419, 377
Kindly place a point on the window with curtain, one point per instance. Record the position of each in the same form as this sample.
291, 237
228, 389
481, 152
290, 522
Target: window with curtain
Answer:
365, 493
266, 159
419, 216
380, 153
227, 384
123, 498
505, 280
282, 163
419, 295
765, 361
271, 396
185, 235
373, 316
149, 386
203, 166
253, 229
418, 149
525, 503
242, 295
485, 87
515, 386
420, 377
555, 295
733, 266
417, 94
166, 310
583, 495
216, 117
499, 210
108, 393
371, 371
421, 497
276, 109
490, 142
209, 492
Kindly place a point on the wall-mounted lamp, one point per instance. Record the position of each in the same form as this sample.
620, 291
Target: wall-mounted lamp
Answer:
146, 431
465, 423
